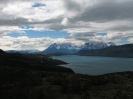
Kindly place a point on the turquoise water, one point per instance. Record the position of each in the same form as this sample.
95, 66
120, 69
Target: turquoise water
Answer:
96, 65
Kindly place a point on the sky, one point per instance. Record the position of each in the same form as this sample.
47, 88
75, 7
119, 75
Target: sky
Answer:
36, 24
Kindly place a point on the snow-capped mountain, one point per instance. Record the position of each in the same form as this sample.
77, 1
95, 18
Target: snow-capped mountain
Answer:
96, 45
63, 48
109, 44
70, 48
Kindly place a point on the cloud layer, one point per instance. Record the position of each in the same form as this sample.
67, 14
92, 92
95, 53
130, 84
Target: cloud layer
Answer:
83, 19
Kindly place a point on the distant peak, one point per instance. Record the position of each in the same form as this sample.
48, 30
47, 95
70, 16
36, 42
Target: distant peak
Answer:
54, 44
111, 44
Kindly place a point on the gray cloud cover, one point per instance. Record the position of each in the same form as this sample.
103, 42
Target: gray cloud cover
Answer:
106, 10
83, 19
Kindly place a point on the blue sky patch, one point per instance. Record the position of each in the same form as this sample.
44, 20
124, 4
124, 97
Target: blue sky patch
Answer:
102, 34
39, 34
38, 5
16, 34
123, 41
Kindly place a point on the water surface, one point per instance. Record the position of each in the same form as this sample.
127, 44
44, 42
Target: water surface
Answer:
93, 65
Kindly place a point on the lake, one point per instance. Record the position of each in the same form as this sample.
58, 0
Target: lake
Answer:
93, 65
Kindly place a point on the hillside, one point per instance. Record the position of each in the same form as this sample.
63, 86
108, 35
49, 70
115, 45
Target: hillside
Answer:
115, 51
31, 61
2, 52
22, 83
38, 77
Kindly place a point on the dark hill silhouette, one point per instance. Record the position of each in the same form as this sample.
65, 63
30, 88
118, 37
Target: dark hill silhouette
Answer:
31, 62
115, 51
2, 52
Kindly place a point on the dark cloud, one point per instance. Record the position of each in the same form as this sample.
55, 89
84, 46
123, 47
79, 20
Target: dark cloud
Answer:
56, 26
83, 39
54, 20
72, 5
106, 11
121, 28
14, 22
83, 36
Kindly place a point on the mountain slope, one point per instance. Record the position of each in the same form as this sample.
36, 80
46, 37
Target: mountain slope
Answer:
115, 51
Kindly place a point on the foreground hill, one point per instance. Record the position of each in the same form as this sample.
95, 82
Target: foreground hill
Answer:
22, 83
115, 51
31, 61
39, 77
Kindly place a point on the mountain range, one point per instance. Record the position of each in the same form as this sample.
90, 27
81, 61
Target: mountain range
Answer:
114, 51
70, 48
22, 51
62, 48
66, 48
